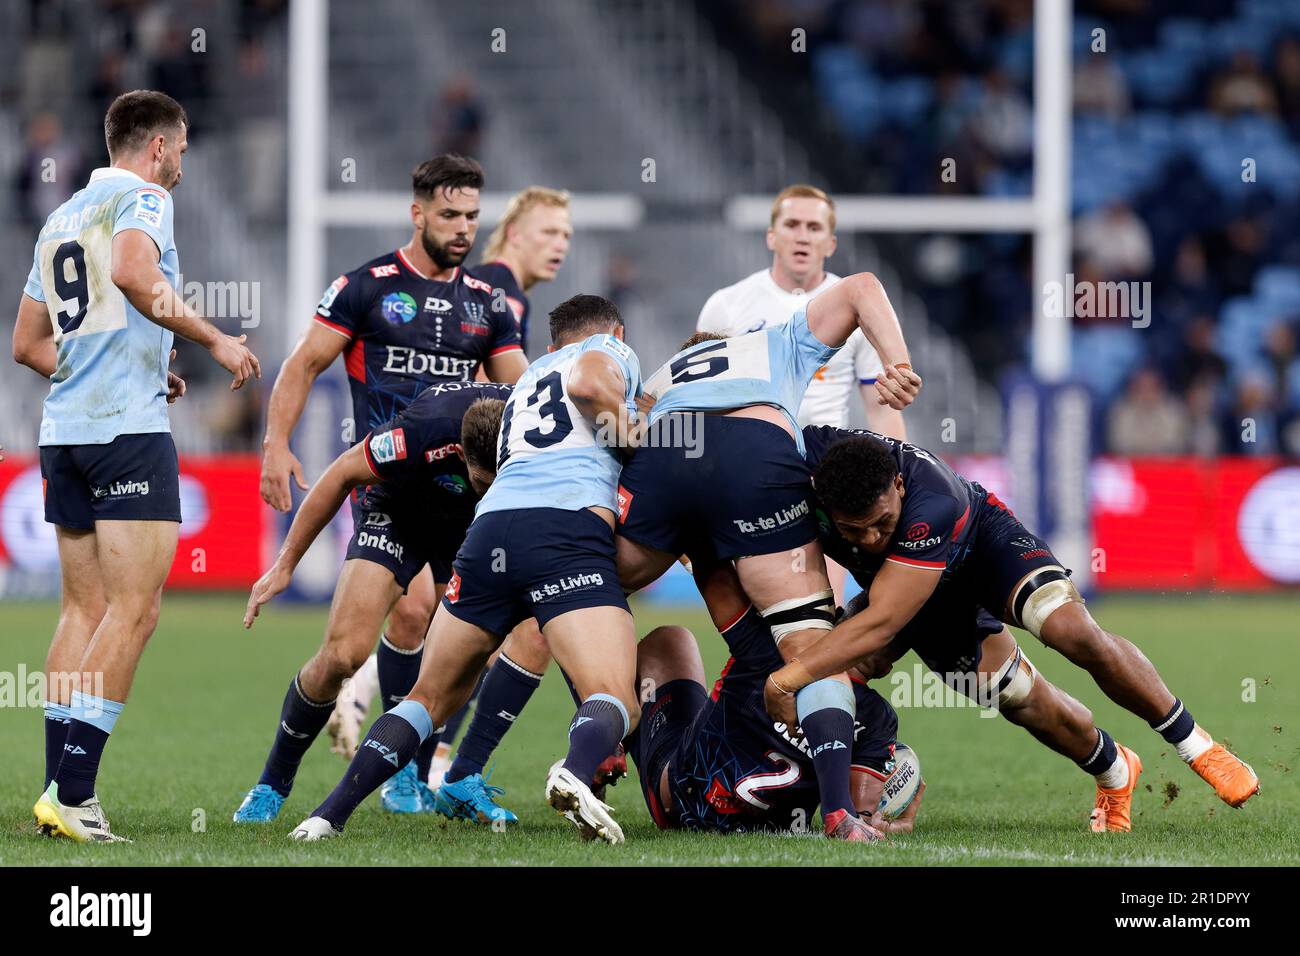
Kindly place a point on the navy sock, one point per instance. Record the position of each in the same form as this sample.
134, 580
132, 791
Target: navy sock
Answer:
1102, 756
398, 671
573, 691
424, 756
56, 735
301, 721
1177, 725
505, 692
600, 723
91, 720
826, 710
389, 746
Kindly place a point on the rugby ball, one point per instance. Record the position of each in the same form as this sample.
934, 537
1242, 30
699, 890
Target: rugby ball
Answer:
902, 784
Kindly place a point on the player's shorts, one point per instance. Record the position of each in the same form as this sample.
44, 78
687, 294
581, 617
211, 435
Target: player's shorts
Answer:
402, 546
131, 478
947, 634
533, 562
731, 768
740, 484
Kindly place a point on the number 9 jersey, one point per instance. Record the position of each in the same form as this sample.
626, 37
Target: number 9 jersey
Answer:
548, 455
111, 377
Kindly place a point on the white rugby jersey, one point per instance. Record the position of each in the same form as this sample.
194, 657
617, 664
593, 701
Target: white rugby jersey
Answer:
757, 302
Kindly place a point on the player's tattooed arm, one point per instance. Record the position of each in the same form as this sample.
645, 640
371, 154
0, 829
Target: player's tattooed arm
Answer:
897, 593
322, 503
34, 337
315, 351
598, 389
135, 272
859, 301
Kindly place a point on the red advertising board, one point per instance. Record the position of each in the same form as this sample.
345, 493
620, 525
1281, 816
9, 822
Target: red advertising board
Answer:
221, 538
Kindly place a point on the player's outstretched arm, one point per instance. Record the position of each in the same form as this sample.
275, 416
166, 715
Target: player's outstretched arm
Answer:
597, 387
347, 471
314, 353
136, 274
859, 301
897, 593
34, 337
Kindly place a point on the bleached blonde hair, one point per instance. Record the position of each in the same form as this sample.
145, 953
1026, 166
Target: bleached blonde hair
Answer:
519, 204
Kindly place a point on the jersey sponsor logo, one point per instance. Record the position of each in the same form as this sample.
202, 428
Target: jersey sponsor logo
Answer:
149, 207
475, 321
434, 304
722, 799
377, 519
380, 542
403, 360
624, 503
120, 489
452, 594
398, 307
918, 531
611, 344
921, 544
445, 451
388, 446
452, 483
1035, 553
385, 271
332, 293
479, 284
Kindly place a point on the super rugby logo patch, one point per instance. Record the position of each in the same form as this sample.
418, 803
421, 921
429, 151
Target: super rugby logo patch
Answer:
388, 446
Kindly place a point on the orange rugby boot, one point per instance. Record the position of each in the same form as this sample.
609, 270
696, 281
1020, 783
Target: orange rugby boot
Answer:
1113, 806
1230, 776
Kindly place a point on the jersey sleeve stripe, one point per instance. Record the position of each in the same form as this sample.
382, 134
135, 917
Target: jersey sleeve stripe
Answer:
917, 563
961, 522
875, 773
338, 329
505, 348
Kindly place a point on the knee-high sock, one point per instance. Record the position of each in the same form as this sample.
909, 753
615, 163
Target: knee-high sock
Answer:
1179, 728
91, 720
57, 721
599, 724
506, 690
389, 746
826, 709
301, 721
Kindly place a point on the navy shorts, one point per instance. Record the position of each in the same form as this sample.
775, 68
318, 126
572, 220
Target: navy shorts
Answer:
403, 546
731, 768
132, 478
533, 562
741, 486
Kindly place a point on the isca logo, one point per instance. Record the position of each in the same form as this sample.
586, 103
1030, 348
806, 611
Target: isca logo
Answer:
398, 308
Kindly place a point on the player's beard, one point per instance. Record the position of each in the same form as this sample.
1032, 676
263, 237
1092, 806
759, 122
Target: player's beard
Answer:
170, 174
442, 257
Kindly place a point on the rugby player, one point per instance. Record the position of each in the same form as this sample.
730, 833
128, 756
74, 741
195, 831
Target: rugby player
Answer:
528, 246
541, 545
734, 477
933, 551
403, 321
97, 317
425, 469
801, 237
715, 761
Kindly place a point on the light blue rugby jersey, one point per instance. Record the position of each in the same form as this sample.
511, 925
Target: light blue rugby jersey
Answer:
547, 453
766, 367
111, 377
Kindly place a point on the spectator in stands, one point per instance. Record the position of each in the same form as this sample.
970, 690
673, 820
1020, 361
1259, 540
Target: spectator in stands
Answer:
1204, 421
1116, 240
1003, 122
1280, 356
49, 172
1191, 289
1252, 424
181, 72
1100, 87
1242, 88
1286, 76
1147, 420
458, 119
1237, 251
1199, 361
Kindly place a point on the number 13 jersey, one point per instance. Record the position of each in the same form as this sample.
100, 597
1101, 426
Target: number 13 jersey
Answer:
548, 455
111, 377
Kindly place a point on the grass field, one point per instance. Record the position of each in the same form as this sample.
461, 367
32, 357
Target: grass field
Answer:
205, 703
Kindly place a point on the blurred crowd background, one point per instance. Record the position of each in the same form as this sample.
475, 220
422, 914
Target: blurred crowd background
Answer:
1178, 94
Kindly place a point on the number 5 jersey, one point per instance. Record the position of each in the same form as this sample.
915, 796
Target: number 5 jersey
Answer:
111, 377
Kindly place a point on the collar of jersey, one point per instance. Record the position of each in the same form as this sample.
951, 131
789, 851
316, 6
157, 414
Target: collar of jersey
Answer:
104, 172
406, 263
828, 278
